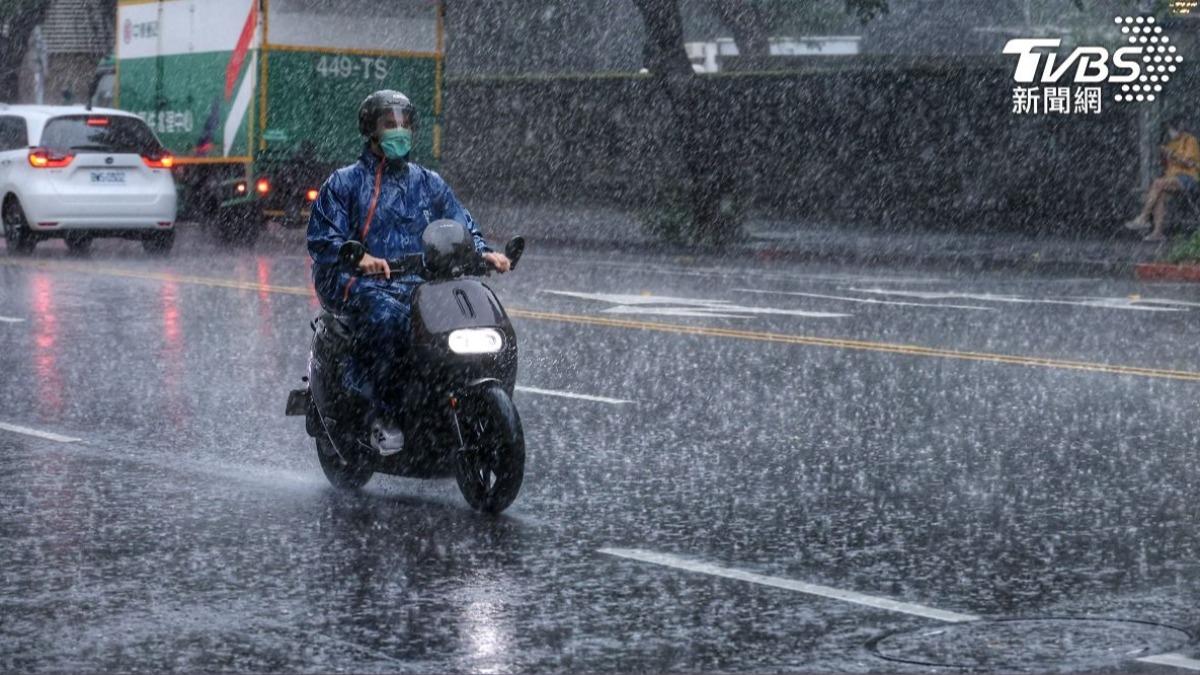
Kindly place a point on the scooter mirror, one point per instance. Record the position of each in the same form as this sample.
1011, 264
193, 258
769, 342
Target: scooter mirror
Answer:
513, 250
350, 254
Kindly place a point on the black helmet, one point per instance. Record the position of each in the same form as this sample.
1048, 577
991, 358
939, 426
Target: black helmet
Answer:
374, 106
448, 246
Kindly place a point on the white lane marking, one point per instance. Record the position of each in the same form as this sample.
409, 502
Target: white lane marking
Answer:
39, 434
567, 394
668, 560
676, 562
1139, 300
11, 319
698, 312
1176, 660
868, 301
717, 311
626, 303
708, 271
1106, 303
632, 299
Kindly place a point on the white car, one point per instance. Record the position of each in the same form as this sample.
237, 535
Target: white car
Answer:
77, 174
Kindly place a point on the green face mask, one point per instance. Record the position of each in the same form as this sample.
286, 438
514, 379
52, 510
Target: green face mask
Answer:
396, 143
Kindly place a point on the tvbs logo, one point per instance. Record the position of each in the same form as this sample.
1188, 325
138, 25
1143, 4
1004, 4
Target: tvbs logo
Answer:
1088, 65
1137, 72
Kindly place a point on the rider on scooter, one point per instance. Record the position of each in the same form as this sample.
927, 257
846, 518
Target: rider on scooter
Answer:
384, 201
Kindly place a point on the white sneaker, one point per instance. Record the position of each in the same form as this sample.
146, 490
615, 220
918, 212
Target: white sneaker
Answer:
385, 439
1137, 224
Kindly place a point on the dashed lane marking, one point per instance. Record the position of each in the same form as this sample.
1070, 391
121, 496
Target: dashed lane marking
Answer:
668, 560
699, 567
567, 394
865, 301
710, 331
38, 433
1176, 660
696, 307
10, 319
1103, 303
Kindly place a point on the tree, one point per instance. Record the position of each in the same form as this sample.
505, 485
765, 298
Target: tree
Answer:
17, 20
710, 179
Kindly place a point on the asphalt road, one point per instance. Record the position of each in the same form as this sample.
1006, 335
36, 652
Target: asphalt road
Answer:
733, 466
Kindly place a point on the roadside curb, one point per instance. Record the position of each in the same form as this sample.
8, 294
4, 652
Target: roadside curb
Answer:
769, 253
951, 261
1167, 272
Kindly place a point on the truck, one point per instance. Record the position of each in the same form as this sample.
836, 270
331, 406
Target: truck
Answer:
258, 99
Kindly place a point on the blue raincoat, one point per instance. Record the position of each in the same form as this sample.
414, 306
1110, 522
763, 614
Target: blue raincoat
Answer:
386, 207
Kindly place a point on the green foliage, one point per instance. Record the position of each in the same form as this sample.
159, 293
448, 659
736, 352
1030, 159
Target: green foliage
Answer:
1186, 251
866, 10
668, 218
11, 9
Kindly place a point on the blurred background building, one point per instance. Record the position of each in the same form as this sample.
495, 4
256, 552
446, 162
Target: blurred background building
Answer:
60, 50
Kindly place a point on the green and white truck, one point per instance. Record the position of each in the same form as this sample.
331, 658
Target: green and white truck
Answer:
257, 99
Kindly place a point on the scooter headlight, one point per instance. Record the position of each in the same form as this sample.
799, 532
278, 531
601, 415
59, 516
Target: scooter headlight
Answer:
476, 341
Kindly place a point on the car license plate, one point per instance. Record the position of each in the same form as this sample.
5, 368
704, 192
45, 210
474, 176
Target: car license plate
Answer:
108, 176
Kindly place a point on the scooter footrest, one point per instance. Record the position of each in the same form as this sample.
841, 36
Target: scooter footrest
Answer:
298, 402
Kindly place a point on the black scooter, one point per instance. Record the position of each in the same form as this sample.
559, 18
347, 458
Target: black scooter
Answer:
455, 382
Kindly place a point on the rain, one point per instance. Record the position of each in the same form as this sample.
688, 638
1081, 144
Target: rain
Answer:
834, 336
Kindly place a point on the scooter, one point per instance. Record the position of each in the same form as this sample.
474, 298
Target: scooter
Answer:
456, 415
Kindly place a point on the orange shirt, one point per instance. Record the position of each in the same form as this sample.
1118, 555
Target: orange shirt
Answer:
1186, 147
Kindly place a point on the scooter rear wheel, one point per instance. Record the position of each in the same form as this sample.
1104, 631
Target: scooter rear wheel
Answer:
491, 467
342, 474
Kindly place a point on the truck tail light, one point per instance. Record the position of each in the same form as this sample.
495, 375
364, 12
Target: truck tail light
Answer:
45, 158
240, 188
162, 161
263, 186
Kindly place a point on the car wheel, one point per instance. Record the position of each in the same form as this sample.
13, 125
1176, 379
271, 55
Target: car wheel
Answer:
79, 245
159, 243
17, 236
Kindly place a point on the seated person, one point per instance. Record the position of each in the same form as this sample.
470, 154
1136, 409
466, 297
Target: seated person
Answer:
1182, 156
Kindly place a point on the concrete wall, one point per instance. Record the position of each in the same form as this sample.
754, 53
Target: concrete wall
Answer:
933, 146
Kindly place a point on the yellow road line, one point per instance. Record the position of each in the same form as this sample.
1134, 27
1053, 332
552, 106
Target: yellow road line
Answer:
708, 331
159, 276
861, 345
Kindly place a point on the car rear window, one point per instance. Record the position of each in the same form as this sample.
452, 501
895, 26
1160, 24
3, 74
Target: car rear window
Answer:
100, 133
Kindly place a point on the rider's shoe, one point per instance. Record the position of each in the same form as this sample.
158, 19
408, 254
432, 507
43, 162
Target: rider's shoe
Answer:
386, 438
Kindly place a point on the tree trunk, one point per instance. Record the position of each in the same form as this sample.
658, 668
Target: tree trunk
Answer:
709, 179
748, 22
20, 20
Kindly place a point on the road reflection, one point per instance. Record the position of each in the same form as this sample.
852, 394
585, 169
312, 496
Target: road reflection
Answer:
399, 557
45, 341
171, 355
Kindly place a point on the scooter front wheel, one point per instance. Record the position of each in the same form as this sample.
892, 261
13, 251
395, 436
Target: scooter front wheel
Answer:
491, 466
342, 474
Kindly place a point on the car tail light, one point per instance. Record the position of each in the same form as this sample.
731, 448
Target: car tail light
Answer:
165, 223
311, 195
44, 158
97, 121
263, 186
163, 161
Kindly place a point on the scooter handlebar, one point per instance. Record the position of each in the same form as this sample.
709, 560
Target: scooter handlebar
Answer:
351, 254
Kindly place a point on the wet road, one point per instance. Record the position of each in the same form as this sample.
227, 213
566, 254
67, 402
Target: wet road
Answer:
732, 466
